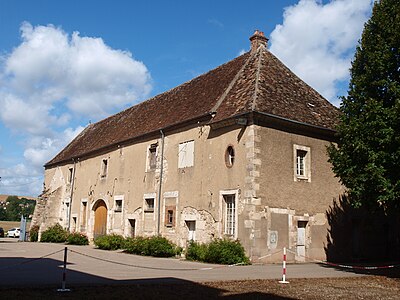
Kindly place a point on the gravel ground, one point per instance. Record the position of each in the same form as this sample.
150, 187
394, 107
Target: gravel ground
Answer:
366, 287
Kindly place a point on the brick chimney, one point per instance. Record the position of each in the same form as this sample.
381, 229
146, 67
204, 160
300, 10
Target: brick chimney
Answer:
258, 39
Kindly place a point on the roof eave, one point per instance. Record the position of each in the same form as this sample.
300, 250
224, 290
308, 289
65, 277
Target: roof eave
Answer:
204, 118
279, 123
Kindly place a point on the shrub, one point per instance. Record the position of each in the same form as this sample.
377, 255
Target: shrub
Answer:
77, 238
224, 251
110, 242
159, 246
153, 246
54, 234
34, 233
196, 251
136, 245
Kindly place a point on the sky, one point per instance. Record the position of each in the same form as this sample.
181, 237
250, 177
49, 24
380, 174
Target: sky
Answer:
66, 64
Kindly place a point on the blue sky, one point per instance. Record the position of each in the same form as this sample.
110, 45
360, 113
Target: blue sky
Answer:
64, 64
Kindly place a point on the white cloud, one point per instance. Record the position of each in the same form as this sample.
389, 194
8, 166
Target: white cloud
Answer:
317, 41
52, 79
215, 23
41, 149
20, 180
241, 52
84, 73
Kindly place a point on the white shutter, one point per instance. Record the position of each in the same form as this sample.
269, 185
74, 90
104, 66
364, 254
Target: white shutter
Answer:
186, 154
190, 154
181, 155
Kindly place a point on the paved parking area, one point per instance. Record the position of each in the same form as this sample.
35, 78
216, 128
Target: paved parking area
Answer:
32, 264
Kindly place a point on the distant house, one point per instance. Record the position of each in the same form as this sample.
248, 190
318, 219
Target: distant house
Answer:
238, 152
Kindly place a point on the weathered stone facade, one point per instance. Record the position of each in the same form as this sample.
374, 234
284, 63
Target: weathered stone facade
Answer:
251, 164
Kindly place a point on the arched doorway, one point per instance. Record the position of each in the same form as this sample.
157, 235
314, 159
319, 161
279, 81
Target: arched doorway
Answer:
100, 219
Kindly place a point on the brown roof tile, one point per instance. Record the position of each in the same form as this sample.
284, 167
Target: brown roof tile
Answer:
254, 81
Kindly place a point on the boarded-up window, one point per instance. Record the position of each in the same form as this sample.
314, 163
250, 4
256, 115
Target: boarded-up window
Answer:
186, 154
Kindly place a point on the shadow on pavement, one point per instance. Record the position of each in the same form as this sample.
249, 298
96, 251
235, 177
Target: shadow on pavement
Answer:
26, 278
387, 272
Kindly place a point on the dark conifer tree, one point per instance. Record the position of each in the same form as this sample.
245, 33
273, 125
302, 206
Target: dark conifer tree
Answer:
367, 156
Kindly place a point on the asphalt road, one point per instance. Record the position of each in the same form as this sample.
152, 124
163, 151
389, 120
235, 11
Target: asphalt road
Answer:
41, 264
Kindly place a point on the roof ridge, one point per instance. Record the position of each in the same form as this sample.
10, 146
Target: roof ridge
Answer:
256, 88
231, 84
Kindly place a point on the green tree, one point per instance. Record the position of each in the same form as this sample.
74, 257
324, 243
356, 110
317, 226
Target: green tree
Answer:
15, 207
367, 155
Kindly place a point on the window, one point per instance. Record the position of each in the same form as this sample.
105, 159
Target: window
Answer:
149, 202
70, 174
83, 215
186, 154
229, 156
230, 214
302, 163
104, 166
118, 205
170, 217
152, 156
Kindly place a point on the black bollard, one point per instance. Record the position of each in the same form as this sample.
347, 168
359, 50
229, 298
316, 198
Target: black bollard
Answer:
64, 275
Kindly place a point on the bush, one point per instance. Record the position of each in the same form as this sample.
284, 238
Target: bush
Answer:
136, 245
224, 251
77, 238
153, 246
34, 233
110, 242
54, 234
196, 251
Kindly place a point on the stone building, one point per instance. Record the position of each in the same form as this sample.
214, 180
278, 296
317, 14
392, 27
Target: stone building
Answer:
238, 152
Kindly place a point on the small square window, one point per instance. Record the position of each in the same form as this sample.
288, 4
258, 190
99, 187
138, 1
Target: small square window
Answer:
149, 204
118, 205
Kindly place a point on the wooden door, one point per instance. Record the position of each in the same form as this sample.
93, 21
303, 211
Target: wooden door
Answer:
100, 219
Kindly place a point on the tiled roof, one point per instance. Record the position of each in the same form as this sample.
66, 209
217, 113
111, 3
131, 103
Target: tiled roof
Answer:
254, 81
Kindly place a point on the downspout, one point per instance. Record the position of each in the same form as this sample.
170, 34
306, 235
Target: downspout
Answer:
160, 185
71, 194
